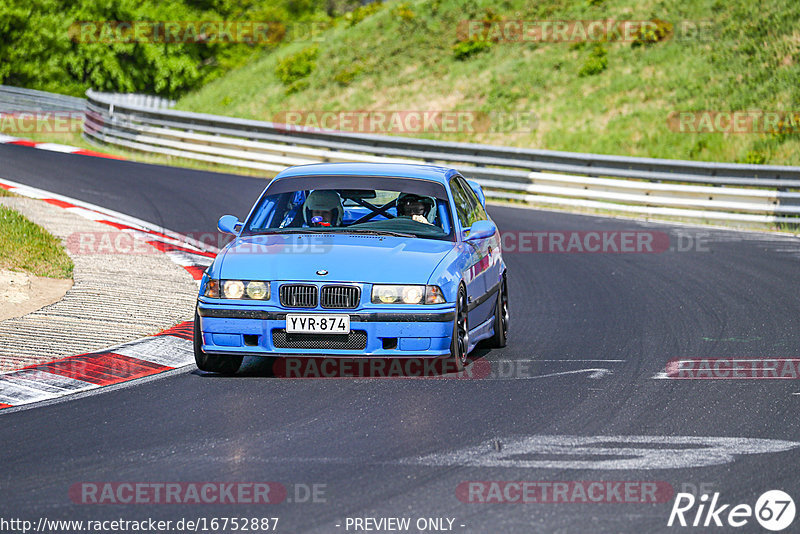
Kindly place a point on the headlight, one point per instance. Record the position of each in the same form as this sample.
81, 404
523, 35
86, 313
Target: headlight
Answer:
237, 289
232, 289
257, 290
413, 294
395, 294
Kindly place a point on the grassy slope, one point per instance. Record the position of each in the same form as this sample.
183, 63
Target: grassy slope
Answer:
404, 61
27, 247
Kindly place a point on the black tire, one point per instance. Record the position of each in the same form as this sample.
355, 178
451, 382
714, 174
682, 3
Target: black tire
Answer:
224, 365
501, 318
459, 342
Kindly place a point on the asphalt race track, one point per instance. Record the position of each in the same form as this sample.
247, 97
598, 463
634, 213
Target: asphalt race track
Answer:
578, 394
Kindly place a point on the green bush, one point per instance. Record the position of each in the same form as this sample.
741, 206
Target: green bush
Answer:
697, 148
360, 13
296, 67
296, 87
466, 49
404, 12
788, 127
596, 62
652, 34
45, 47
754, 158
347, 75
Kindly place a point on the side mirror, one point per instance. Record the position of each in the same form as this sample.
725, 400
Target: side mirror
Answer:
481, 230
229, 224
478, 190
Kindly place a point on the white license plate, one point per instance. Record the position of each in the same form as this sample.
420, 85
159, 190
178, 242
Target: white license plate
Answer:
317, 324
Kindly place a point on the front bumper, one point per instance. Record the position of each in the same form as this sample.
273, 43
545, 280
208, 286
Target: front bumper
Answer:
412, 331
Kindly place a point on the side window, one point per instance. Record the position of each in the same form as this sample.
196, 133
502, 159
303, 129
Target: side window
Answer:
478, 213
463, 206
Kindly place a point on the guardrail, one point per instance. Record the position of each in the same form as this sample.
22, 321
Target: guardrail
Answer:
714, 191
136, 99
686, 189
16, 99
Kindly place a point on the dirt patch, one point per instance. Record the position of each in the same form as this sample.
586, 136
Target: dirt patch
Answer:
22, 293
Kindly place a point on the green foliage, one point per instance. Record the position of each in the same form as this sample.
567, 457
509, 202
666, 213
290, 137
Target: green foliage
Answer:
434, 6
466, 49
297, 86
788, 128
404, 12
697, 148
348, 74
596, 63
657, 30
360, 13
754, 157
45, 47
296, 66
292, 70
337, 8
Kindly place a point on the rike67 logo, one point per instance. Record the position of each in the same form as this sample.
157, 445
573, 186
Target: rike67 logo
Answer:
774, 510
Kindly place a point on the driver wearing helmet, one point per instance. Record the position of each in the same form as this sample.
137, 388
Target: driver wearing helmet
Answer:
323, 208
418, 208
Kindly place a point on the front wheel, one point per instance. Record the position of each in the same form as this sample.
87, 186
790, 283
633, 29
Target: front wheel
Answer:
224, 365
459, 344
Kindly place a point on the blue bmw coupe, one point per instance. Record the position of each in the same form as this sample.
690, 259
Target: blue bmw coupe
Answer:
355, 260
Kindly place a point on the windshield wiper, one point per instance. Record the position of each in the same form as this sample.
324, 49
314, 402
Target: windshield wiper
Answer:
379, 232
291, 231
328, 230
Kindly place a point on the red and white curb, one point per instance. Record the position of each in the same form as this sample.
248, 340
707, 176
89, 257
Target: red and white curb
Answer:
168, 350
53, 147
163, 352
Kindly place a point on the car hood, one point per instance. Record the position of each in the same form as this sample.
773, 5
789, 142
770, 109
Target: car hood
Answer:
346, 258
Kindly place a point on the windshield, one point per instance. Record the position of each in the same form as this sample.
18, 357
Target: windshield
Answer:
402, 208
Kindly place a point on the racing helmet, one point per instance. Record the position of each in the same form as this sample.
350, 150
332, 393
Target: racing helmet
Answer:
409, 204
323, 200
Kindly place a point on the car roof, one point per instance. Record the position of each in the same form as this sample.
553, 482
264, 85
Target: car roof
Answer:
427, 172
